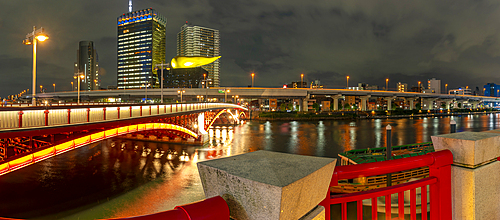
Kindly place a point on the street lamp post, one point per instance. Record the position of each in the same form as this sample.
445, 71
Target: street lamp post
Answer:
146, 98
419, 90
31, 39
54, 87
446, 88
253, 75
347, 83
301, 80
81, 76
41, 89
180, 92
387, 84
72, 88
162, 65
225, 94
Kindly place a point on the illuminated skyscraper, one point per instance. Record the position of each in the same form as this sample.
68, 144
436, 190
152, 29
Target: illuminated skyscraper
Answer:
141, 45
88, 64
201, 41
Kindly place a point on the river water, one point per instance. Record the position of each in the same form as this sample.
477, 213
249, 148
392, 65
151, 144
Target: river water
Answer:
110, 179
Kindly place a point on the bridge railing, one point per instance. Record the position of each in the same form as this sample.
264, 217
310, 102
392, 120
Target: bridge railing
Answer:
76, 114
439, 182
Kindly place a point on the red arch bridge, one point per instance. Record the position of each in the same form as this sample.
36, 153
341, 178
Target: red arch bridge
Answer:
32, 134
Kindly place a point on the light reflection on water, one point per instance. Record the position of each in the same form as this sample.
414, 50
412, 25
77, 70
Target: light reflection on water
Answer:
100, 181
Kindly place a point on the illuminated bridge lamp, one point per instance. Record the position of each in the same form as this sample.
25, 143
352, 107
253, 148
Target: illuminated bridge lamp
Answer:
31, 39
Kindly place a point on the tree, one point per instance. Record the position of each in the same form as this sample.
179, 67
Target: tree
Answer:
347, 106
443, 104
418, 106
316, 106
393, 106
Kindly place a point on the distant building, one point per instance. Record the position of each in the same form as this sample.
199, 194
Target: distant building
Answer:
316, 85
402, 87
460, 91
183, 78
141, 45
434, 85
87, 64
297, 85
492, 90
201, 41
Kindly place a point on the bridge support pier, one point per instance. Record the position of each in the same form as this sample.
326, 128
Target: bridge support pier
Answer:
412, 106
336, 102
429, 104
389, 102
364, 102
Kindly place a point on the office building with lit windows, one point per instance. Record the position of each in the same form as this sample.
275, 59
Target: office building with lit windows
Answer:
141, 45
402, 87
434, 85
201, 41
87, 64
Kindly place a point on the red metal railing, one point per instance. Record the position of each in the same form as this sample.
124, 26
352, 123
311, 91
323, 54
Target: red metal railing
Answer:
214, 208
439, 181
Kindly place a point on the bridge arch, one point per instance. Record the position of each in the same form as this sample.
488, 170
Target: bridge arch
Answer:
55, 150
219, 113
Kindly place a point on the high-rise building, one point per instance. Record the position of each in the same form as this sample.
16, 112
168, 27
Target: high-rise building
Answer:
141, 45
201, 41
87, 64
434, 85
491, 89
183, 77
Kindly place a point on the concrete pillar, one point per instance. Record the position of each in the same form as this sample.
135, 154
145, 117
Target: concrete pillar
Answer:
475, 180
364, 102
389, 102
301, 105
429, 104
278, 186
411, 104
305, 105
336, 102
448, 102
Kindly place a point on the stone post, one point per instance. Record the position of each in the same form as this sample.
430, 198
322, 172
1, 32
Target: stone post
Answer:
269, 185
475, 176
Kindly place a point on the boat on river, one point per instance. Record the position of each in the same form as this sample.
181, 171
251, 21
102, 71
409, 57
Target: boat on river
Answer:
370, 155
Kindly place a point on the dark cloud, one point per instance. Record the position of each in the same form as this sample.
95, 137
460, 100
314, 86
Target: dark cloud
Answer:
408, 41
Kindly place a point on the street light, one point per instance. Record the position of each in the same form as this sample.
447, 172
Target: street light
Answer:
81, 77
225, 94
301, 80
162, 65
180, 92
253, 75
146, 85
446, 88
54, 87
72, 88
347, 84
31, 39
41, 89
419, 90
387, 84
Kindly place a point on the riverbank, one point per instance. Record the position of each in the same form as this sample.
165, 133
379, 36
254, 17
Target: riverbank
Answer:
351, 115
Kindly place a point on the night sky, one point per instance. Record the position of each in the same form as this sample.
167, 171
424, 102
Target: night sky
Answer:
370, 40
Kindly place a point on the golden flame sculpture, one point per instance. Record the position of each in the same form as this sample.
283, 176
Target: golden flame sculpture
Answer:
179, 62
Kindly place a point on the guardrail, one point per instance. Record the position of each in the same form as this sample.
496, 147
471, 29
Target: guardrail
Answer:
64, 104
439, 181
83, 114
214, 208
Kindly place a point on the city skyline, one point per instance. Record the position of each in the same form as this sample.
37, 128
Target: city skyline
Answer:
368, 41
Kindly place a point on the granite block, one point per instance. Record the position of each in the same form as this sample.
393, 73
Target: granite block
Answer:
469, 148
268, 185
476, 192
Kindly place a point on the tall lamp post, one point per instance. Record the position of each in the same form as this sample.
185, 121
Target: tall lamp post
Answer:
387, 84
72, 88
81, 76
225, 94
347, 83
253, 75
54, 87
31, 39
419, 90
146, 98
301, 80
446, 88
162, 65
180, 92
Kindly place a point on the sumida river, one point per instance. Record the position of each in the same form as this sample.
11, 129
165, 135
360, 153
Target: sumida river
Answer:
110, 179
